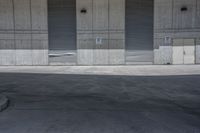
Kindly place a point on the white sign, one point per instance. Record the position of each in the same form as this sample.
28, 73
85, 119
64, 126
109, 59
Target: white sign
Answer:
168, 40
99, 40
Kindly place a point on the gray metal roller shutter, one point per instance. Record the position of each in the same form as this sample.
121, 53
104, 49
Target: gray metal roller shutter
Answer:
139, 30
62, 24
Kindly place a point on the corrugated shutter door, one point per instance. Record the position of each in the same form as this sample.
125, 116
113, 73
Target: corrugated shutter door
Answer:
139, 30
62, 24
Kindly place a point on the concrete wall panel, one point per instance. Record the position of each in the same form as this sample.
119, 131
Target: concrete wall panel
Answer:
39, 15
116, 48
198, 14
6, 15
40, 52
101, 57
85, 56
23, 49
100, 14
116, 56
21, 21
22, 14
198, 51
7, 43
39, 57
24, 57
101, 51
162, 14
116, 14
184, 25
7, 57
180, 18
39, 32
7, 52
84, 20
163, 55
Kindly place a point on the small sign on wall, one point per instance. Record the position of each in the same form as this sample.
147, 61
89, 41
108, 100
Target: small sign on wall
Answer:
168, 40
99, 40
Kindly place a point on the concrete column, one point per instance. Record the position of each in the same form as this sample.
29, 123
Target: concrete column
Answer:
100, 32
171, 23
23, 32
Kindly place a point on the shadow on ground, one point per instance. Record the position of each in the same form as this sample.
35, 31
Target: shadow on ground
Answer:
61, 103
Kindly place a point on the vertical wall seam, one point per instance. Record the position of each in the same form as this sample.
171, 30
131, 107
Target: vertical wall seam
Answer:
195, 25
47, 23
15, 48
108, 35
172, 23
125, 31
76, 41
30, 4
93, 42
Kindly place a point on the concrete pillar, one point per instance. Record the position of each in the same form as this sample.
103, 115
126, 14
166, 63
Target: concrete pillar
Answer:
23, 32
100, 32
171, 23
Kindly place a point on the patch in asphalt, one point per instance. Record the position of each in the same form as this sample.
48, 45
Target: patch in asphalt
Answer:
3, 102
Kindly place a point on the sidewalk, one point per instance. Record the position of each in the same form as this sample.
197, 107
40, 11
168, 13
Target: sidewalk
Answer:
147, 70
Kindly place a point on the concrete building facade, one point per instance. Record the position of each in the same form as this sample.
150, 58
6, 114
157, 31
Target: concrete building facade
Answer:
99, 32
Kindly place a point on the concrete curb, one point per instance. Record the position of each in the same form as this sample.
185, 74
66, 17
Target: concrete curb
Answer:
3, 102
